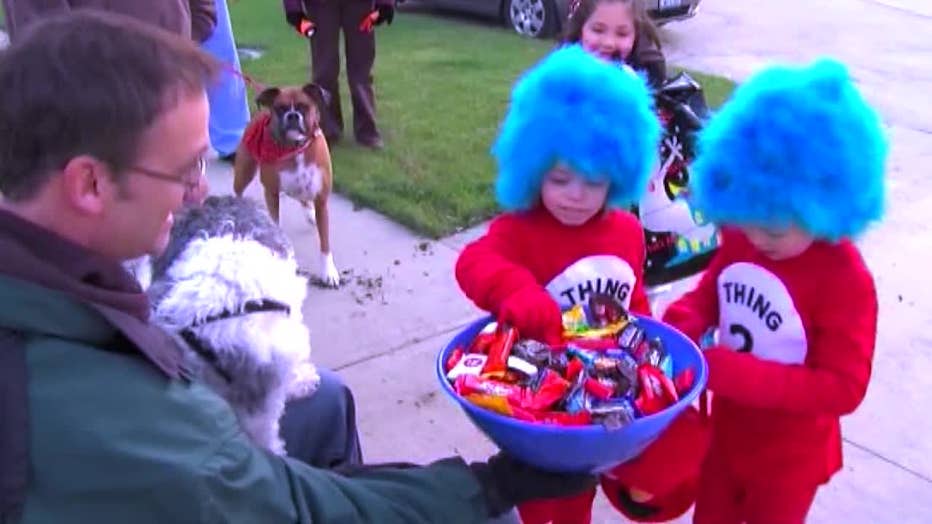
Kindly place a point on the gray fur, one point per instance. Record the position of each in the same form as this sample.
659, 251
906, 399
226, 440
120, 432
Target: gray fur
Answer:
266, 354
221, 215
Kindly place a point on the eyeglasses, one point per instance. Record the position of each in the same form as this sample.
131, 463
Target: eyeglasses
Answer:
189, 179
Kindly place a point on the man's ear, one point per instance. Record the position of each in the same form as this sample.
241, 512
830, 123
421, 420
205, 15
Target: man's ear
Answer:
85, 182
318, 94
267, 97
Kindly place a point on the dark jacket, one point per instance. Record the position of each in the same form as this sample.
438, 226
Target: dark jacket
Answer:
100, 422
191, 18
647, 58
295, 6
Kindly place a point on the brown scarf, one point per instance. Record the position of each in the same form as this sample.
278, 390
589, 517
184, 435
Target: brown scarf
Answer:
33, 254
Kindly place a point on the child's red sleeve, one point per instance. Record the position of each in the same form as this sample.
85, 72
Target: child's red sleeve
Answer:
488, 270
838, 364
696, 311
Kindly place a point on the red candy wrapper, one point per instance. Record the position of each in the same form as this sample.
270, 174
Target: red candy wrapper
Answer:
597, 389
454, 359
595, 344
684, 381
471, 384
574, 368
499, 351
657, 390
484, 340
550, 389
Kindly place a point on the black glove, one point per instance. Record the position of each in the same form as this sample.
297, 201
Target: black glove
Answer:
294, 18
386, 14
506, 483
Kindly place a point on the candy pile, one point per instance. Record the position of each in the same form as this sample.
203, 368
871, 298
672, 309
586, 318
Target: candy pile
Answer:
605, 372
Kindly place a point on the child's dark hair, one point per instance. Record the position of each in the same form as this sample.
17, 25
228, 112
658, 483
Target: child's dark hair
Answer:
645, 56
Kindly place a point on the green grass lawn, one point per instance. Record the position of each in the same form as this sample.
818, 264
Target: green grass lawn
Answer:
442, 88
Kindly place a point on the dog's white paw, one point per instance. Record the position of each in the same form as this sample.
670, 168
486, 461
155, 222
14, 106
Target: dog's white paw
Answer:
328, 270
309, 213
304, 381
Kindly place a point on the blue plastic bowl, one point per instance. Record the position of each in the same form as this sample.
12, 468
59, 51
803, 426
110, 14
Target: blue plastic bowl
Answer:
572, 449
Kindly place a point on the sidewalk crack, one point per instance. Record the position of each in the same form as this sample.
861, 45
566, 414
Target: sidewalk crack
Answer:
889, 461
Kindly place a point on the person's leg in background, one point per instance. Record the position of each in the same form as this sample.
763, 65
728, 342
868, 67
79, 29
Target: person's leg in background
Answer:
320, 430
325, 61
360, 58
229, 106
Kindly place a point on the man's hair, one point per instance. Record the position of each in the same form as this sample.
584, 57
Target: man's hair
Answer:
88, 83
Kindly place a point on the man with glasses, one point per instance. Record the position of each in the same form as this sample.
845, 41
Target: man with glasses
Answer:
103, 129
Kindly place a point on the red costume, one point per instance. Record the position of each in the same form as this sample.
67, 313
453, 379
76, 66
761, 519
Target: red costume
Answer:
571, 262
796, 341
531, 251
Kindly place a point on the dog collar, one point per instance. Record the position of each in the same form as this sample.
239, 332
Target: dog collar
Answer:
252, 306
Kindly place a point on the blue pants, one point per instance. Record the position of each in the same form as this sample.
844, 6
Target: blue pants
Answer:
320, 430
229, 108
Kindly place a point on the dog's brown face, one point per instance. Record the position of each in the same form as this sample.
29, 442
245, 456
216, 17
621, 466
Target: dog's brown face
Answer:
295, 111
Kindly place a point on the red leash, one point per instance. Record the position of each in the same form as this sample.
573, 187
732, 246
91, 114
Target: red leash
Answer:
257, 86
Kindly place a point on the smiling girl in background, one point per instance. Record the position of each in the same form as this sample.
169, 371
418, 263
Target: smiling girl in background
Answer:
619, 31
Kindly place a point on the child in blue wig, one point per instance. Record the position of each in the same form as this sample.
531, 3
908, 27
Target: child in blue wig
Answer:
794, 166
576, 148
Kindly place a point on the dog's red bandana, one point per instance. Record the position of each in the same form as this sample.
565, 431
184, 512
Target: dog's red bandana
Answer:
259, 142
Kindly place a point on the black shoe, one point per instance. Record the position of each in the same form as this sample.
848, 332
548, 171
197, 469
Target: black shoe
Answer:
372, 143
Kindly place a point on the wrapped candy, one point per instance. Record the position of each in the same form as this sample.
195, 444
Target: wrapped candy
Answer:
606, 371
499, 351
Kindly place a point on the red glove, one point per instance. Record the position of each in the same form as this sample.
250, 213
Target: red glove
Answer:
301, 24
382, 14
535, 314
368, 22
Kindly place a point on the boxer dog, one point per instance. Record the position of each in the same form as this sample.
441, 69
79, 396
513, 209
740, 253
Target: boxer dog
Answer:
284, 143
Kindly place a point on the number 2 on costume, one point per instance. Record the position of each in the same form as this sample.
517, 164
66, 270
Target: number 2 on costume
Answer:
743, 332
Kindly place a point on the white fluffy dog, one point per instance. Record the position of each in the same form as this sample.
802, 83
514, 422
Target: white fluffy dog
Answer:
228, 286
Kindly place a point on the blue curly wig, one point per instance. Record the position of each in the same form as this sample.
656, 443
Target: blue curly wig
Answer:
586, 113
795, 146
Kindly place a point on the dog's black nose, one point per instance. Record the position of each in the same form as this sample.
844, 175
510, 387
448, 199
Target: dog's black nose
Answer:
292, 117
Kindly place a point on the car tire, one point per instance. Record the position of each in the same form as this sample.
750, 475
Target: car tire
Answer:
533, 18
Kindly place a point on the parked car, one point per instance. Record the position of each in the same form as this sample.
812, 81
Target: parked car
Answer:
544, 18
